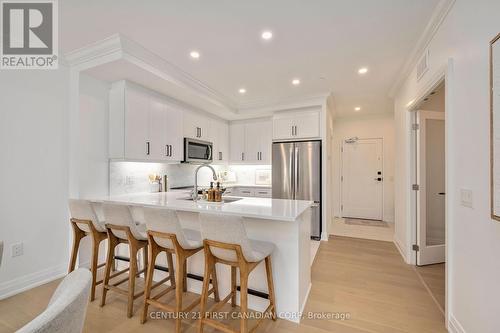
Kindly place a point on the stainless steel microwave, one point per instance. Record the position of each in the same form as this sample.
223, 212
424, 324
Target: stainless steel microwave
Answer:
197, 151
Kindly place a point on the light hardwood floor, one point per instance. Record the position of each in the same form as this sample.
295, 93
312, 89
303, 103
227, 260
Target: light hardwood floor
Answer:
366, 279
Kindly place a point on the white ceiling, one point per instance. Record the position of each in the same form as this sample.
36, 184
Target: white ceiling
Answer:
322, 42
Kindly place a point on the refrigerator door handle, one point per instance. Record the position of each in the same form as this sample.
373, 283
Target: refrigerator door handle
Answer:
296, 172
292, 173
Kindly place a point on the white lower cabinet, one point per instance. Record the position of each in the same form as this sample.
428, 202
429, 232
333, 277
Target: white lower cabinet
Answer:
261, 192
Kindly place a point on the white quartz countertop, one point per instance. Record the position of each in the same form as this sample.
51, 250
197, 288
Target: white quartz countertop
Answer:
262, 208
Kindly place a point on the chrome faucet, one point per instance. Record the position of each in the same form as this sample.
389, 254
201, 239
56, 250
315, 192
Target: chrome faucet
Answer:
195, 190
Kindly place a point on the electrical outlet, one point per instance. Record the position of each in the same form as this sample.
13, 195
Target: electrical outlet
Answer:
129, 180
466, 198
17, 250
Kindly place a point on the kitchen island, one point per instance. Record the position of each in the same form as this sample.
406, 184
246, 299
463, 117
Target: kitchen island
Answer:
285, 223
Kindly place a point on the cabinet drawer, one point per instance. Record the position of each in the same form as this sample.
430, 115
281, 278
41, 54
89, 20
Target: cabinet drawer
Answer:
246, 192
263, 192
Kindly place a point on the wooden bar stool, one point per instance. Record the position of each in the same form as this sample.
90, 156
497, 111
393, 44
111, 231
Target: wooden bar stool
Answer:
226, 242
85, 222
122, 229
165, 234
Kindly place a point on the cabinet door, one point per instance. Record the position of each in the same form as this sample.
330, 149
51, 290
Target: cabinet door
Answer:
196, 126
157, 129
282, 128
307, 125
137, 141
253, 132
266, 142
174, 138
237, 142
219, 131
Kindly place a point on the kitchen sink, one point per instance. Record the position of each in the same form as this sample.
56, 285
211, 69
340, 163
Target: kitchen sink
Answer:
224, 200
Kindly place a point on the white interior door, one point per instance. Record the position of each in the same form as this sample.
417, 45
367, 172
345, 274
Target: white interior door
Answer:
362, 179
431, 180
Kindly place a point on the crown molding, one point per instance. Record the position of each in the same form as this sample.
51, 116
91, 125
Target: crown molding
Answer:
437, 18
117, 47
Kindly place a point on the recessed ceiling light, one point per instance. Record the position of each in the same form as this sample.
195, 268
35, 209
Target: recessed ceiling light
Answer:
357, 108
267, 35
194, 54
363, 70
242, 90
295, 82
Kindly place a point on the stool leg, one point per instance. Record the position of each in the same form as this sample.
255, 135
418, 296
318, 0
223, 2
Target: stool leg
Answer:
270, 286
112, 242
233, 286
204, 291
215, 283
171, 269
184, 278
131, 279
145, 262
179, 288
152, 254
244, 300
77, 237
93, 267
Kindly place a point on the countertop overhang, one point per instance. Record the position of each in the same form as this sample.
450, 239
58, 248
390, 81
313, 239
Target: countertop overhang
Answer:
260, 208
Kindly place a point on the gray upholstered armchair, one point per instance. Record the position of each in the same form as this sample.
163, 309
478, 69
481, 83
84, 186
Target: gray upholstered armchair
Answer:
67, 307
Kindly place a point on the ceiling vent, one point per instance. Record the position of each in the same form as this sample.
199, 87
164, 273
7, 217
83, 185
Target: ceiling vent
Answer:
423, 65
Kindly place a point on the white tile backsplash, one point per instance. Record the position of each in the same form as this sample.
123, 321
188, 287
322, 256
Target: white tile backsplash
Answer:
245, 174
132, 177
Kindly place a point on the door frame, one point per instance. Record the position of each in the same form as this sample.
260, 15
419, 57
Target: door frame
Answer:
432, 250
444, 74
341, 182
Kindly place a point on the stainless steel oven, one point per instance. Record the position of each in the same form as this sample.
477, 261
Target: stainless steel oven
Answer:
197, 151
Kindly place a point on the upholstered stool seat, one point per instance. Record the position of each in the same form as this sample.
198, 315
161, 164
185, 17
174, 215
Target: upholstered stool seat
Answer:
122, 229
226, 242
85, 222
165, 234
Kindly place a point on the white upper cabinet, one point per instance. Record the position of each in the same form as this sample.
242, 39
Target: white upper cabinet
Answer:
137, 143
251, 141
296, 125
143, 126
219, 131
196, 126
237, 142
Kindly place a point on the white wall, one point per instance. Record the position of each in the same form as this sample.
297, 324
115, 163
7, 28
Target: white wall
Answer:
473, 237
366, 127
33, 176
93, 152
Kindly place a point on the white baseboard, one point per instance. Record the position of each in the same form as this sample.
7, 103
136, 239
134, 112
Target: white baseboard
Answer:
29, 281
454, 325
400, 248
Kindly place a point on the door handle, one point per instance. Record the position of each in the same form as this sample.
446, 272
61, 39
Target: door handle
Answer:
441, 193
148, 150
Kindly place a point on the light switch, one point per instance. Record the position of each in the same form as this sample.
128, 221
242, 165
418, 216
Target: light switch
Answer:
466, 198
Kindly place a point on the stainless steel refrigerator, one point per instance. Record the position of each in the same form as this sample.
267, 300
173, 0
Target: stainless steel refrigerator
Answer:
297, 176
